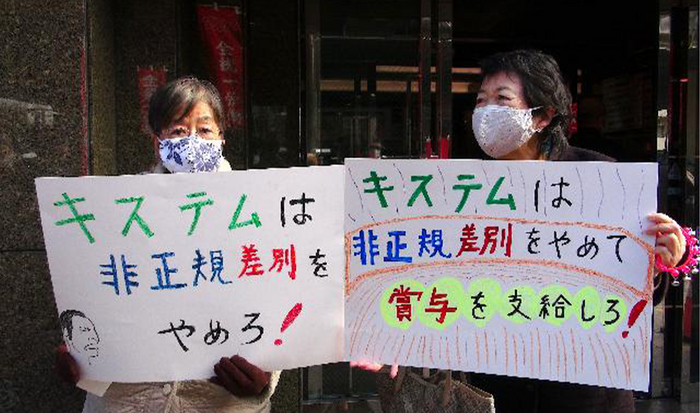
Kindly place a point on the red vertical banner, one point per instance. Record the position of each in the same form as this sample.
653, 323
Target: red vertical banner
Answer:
222, 36
573, 126
150, 79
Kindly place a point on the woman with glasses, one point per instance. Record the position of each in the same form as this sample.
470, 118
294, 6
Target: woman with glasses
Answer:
187, 117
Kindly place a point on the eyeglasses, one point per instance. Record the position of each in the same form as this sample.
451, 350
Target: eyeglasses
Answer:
205, 132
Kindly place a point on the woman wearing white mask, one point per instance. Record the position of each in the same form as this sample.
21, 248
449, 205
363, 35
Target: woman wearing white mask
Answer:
523, 112
187, 117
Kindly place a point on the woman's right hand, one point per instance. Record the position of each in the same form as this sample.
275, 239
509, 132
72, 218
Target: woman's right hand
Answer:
375, 367
65, 365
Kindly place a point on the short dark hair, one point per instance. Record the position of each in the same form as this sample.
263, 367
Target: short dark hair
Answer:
170, 99
543, 85
66, 321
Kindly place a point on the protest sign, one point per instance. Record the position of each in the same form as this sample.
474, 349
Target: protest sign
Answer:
158, 276
527, 269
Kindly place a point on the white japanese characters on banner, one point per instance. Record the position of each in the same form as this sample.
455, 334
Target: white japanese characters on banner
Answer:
527, 269
222, 35
156, 277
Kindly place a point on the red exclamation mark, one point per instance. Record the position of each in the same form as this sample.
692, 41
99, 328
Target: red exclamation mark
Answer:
288, 320
634, 315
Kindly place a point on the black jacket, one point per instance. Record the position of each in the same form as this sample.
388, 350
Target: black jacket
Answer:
572, 153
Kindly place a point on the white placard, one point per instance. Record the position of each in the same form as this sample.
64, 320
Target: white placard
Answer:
527, 269
158, 276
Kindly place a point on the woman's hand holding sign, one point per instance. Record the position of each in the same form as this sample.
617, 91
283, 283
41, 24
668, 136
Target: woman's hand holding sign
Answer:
670, 241
65, 365
240, 377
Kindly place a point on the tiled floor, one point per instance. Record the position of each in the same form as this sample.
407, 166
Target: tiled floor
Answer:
666, 406
643, 406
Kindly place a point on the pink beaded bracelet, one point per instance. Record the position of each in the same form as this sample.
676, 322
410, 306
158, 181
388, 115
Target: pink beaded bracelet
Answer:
688, 265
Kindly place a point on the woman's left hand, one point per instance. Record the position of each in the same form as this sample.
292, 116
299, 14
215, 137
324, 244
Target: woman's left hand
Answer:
240, 377
670, 241
375, 367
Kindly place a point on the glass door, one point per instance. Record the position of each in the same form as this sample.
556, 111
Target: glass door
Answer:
378, 77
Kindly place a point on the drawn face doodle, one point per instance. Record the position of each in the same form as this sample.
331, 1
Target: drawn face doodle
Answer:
85, 337
82, 337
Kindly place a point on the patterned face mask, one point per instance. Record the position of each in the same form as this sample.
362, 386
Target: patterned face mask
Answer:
500, 130
190, 154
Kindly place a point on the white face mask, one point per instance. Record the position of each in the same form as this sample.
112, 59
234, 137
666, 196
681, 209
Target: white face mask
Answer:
190, 154
500, 130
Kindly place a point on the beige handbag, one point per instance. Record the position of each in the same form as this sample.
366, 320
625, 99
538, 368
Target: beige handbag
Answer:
414, 393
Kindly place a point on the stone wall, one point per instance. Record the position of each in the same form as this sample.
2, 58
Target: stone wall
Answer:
69, 106
43, 113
